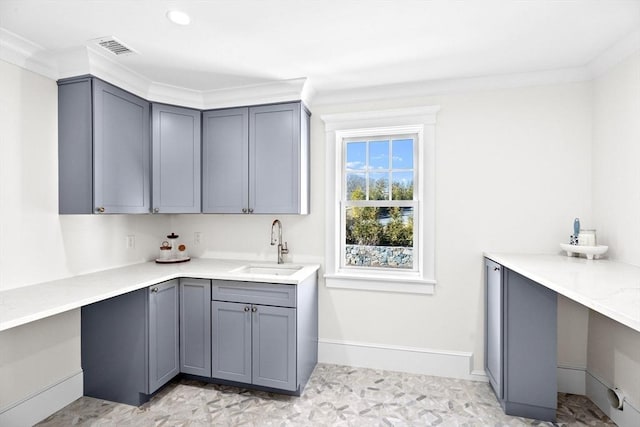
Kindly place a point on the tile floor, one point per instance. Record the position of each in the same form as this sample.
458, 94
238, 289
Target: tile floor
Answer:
334, 396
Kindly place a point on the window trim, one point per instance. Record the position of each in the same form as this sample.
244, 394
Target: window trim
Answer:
420, 121
342, 138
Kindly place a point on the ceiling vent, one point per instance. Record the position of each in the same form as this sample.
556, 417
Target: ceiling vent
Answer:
114, 46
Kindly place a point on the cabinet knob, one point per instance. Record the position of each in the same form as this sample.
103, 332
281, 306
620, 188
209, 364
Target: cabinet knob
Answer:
154, 290
100, 209
254, 309
250, 210
496, 268
244, 210
156, 210
247, 308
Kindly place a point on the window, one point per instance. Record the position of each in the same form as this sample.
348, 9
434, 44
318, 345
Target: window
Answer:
380, 200
378, 203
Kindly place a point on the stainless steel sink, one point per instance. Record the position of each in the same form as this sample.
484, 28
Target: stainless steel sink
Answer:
271, 270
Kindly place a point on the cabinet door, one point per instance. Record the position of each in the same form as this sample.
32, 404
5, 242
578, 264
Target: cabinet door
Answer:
274, 158
225, 161
231, 341
121, 145
195, 327
494, 330
164, 336
274, 347
176, 159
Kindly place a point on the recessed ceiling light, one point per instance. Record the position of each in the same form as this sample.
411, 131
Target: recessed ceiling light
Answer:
178, 17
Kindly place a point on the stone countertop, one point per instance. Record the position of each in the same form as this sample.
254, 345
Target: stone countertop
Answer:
607, 287
30, 303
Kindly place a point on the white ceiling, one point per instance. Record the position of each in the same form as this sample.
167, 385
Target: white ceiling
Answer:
336, 44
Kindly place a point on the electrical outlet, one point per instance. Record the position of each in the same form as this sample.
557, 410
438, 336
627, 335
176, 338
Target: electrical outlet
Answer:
130, 241
197, 238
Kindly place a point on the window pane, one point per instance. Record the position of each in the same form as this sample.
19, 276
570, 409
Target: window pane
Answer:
402, 154
378, 186
379, 237
356, 155
356, 186
379, 155
402, 186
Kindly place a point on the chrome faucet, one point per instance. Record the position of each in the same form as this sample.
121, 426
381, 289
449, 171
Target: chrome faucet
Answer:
282, 249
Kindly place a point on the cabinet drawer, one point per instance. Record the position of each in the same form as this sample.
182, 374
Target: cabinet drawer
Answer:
254, 293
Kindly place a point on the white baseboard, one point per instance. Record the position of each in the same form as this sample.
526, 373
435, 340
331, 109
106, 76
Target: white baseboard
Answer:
452, 364
40, 405
572, 380
629, 416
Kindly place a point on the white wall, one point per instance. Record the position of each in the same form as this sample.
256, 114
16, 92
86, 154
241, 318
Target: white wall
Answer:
512, 173
613, 349
36, 244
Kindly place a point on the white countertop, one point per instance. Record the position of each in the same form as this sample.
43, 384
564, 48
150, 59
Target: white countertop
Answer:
27, 304
608, 287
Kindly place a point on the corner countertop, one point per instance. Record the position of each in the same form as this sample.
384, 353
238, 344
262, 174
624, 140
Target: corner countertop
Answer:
30, 303
607, 287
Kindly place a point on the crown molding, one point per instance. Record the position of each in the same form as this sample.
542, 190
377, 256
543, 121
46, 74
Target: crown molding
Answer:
451, 86
616, 53
265, 93
25, 54
86, 60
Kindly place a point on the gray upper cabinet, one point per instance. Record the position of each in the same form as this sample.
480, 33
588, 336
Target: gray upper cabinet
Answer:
176, 159
225, 149
195, 327
164, 334
104, 149
256, 160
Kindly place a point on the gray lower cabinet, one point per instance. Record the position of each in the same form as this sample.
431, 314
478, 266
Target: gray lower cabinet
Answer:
164, 333
129, 344
256, 159
264, 334
254, 344
176, 159
195, 327
521, 343
493, 325
104, 148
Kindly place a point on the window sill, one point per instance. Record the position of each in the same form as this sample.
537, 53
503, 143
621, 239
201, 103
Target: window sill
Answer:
381, 283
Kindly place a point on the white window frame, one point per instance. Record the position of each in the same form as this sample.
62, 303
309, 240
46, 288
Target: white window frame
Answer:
419, 121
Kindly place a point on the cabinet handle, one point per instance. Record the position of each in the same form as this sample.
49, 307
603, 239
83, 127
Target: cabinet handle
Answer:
154, 290
100, 209
250, 210
156, 210
247, 308
254, 309
244, 210
496, 268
